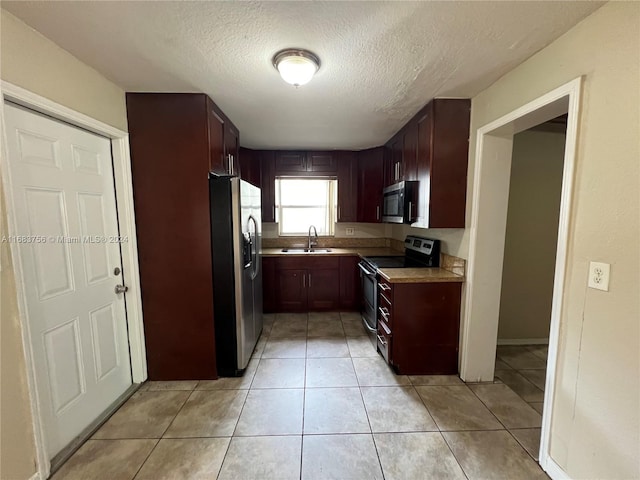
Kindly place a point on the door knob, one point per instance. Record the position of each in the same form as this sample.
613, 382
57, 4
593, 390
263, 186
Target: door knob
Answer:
121, 289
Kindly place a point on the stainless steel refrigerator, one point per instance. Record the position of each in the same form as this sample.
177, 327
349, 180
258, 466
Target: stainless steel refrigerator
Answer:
236, 239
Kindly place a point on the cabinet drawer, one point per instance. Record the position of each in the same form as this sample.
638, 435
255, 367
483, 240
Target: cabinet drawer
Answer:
386, 288
385, 314
384, 299
384, 341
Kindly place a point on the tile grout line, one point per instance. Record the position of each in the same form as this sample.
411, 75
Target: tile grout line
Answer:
366, 412
454, 455
164, 431
304, 397
226, 452
146, 458
506, 429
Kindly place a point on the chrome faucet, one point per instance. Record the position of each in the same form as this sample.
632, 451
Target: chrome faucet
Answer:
315, 232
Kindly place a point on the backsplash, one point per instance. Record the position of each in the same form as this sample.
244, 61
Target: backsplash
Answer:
325, 242
360, 230
453, 264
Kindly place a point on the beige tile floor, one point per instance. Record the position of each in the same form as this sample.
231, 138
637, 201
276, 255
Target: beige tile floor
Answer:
317, 402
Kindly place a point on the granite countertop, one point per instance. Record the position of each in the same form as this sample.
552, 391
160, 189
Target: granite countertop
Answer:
391, 275
340, 252
419, 275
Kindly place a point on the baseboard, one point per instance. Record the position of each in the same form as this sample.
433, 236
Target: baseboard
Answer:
523, 341
554, 470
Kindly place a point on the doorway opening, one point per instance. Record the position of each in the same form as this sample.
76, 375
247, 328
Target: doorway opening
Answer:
491, 180
535, 188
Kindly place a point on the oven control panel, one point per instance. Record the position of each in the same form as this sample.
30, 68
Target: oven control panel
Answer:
425, 246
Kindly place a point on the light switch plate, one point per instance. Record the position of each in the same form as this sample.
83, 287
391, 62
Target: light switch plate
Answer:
350, 231
599, 275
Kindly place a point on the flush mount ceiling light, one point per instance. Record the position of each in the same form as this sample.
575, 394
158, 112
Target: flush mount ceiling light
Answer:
296, 66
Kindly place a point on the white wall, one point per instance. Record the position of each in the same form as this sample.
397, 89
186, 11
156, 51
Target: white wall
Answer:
595, 427
31, 61
532, 234
453, 241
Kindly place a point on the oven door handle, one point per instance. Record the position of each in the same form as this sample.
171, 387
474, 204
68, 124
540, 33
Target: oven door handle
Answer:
368, 327
366, 271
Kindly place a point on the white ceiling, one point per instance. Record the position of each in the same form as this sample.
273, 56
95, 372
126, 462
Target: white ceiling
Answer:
381, 61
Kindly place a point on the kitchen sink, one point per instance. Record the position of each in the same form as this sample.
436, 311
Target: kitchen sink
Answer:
306, 250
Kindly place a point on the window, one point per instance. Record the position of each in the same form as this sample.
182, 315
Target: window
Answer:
302, 202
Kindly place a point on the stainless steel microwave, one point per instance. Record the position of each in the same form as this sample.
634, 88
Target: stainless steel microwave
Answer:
400, 202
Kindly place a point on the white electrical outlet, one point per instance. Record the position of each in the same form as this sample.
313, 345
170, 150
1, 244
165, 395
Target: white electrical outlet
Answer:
350, 231
599, 275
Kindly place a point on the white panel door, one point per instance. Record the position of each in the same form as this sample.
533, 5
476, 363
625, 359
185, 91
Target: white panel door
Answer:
65, 209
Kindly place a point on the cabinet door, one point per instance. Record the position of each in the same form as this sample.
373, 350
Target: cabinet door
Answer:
217, 161
347, 187
425, 125
322, 162
449, 163
288, 162
231, 149
266, 159
350, 287
396, 157
292, 290
269, 285
323, 289
409, 152
249, 161
370, 180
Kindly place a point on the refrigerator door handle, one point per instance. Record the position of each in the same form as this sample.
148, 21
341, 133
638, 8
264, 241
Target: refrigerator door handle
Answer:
254, 246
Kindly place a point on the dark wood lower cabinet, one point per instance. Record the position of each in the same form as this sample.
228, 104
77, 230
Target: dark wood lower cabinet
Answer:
422, 323
350, 284
310, 283
323, 291
291, 293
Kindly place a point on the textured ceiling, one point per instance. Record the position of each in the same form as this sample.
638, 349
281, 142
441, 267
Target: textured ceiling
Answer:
381, 61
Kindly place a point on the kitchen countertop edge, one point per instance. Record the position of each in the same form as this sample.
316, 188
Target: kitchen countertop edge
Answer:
419, 275
391, 275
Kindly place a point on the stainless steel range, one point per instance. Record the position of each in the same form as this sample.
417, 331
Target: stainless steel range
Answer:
419, 253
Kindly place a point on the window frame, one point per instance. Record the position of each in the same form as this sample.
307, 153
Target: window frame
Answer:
331, 206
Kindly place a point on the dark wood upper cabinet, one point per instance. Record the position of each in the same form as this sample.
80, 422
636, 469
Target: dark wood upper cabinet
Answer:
267, 161
176, 140
370, 184
217, 160
232, 149
297, 163
433, 148
322, 162
409, 170
250, 171
347, 187
290, 162
443, 149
